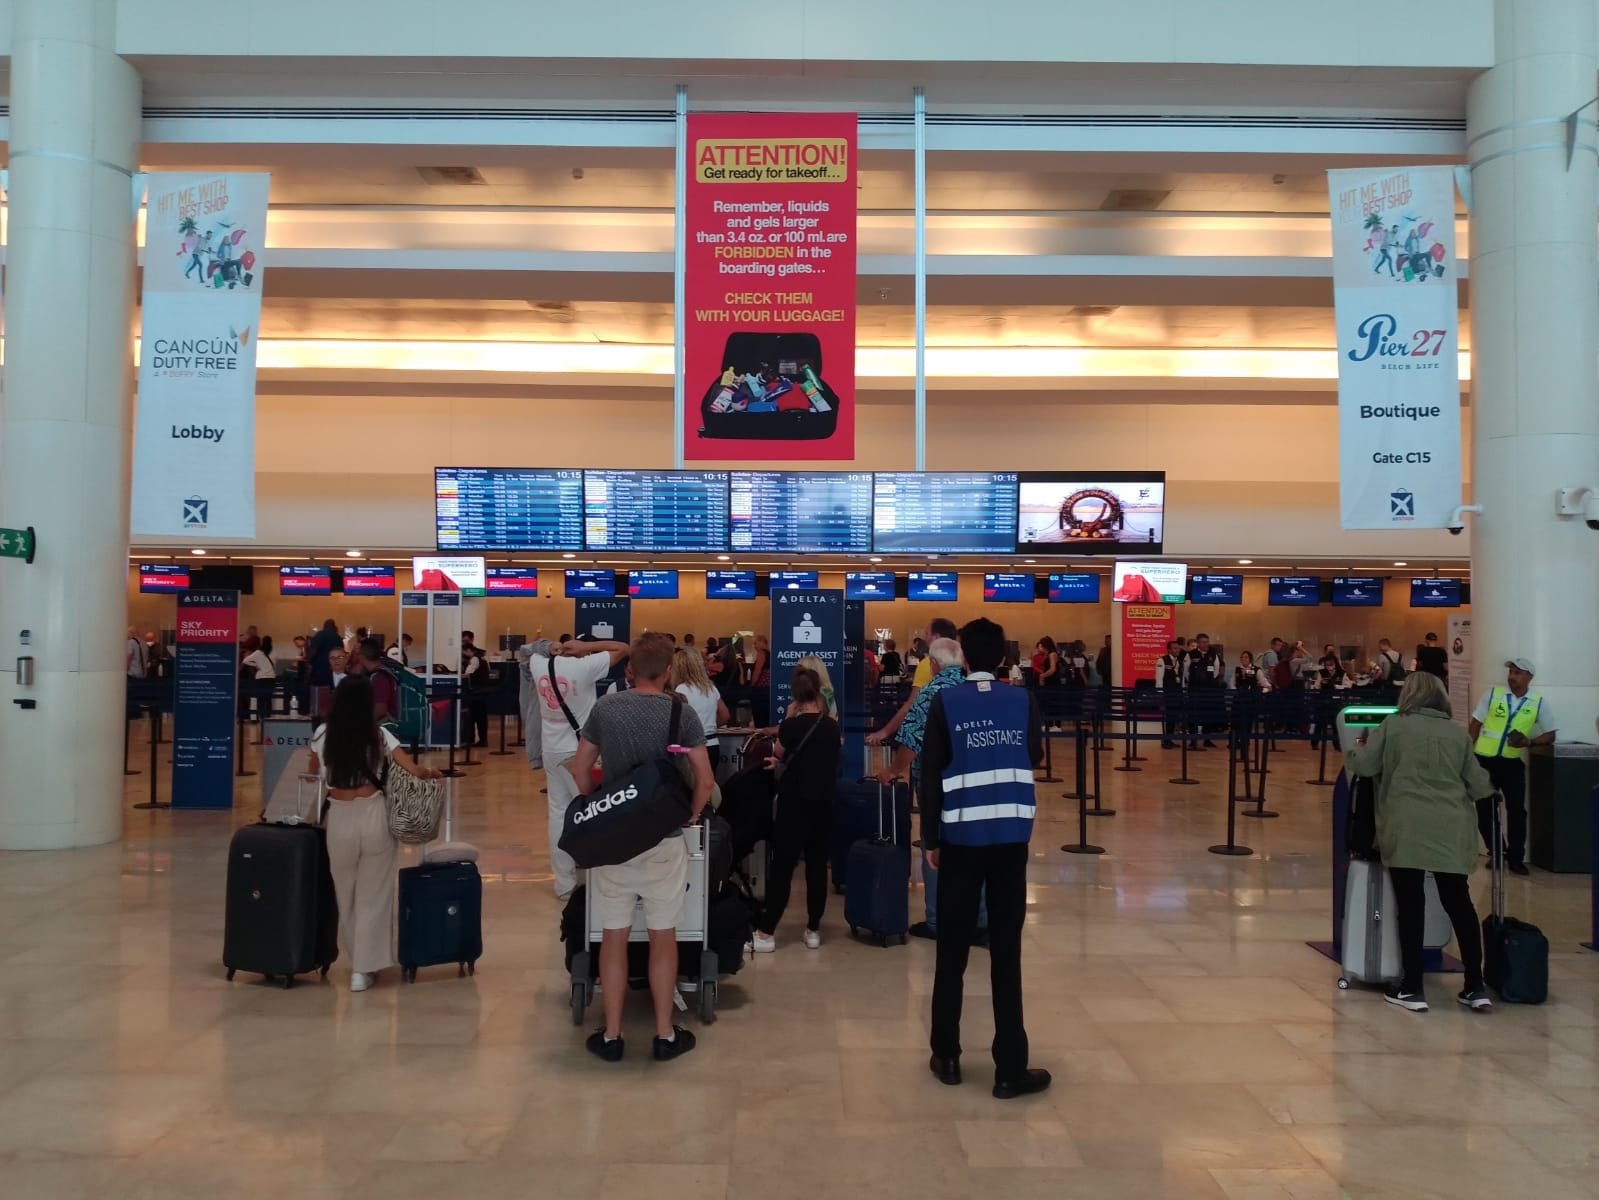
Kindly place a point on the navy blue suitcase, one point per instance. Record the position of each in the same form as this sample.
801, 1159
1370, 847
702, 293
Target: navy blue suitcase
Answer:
856, 809
877, 872
441, 917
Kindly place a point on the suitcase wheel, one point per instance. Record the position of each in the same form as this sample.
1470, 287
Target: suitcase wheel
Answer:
288, 982
471, 968
904, 938
231, 973
324, 974
1343, 983
707, 1002
853, 932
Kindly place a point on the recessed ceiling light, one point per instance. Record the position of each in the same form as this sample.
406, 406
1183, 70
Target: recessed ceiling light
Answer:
568, 556
724, 558
875, 558
1401, 564
352, 554
201, 553
1029, 560
1245, 562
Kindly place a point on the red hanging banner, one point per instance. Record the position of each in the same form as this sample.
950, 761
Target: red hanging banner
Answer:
769, 279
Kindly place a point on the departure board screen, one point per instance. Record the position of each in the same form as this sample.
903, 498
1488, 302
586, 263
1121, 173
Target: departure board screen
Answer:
1074, 588
305, 581
1357, 591
1009, 589
793, 581
649, 511
1435, 593
512, 581
368, 581
1216, 589
869, 585
932, 585
801, 512
652, 585
730, 585
581, 582
1293, 591
507, 508
163, 578
944, 512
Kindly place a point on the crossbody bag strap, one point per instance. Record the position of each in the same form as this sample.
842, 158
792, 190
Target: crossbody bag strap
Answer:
555, 686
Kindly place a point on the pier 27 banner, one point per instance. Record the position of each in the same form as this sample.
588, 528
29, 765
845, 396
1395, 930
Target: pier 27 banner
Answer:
194, 436
769, 278
1394, 292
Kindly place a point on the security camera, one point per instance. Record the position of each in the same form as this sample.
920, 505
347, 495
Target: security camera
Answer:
1590, 511
1457, 519
1578, 502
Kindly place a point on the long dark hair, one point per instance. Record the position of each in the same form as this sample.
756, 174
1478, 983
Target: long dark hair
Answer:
352, 747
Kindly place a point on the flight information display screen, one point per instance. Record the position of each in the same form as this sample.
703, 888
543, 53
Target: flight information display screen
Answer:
932, 585
1074, 588
507, 508
730, 585
590, 583
163, 578
869, 585
1009, 589
801, 512
1435, 593
1216, 589
1293, 591
1357, 591
652, 585
944, 512
512, 581
793, 581
369, 581
650, 511
305, 581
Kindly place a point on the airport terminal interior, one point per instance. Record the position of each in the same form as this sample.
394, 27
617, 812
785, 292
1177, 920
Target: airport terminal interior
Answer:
1097, 390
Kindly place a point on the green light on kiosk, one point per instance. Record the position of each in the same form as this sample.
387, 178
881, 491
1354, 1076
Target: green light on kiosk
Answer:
1374, 714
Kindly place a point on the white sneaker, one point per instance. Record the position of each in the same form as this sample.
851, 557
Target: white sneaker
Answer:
763, 943
813, 940
360, 982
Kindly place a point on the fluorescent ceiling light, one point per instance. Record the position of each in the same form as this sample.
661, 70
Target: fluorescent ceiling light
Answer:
1244, 562
352, 554
199, 552
1401, 564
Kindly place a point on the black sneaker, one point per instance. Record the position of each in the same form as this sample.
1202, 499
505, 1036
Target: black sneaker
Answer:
1519, 869
1410, 1001
1032, 1081
1476, 999
923, 930
681, 1042
610, 1051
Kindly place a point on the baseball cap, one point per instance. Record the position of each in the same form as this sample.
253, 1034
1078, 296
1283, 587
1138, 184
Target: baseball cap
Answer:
1521, 664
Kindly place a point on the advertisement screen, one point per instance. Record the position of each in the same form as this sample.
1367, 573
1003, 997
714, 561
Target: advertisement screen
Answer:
730, 585
163, 578
801, 512
932, 585
1150, 583
1357, 591
793, 581
645, 512
652, 585
1294, 591
1074, 589
507, 508
369, 581
1009, 589
1435, 593
437, 573
1103, 513
590, 583
869, 585
1216, 589
513, 581
305, 581
944, 512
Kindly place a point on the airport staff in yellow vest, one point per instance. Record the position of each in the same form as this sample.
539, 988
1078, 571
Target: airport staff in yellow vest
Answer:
1505, 722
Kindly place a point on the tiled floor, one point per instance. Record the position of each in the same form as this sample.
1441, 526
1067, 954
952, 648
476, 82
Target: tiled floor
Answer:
1199, 1048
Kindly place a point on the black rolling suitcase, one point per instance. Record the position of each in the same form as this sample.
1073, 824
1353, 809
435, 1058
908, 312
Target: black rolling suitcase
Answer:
789, 368
282, 916
858, 816
441, 905
877, 873
1515, 954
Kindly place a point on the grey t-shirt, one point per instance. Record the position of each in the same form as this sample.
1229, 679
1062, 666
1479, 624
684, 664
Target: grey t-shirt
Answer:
630, 728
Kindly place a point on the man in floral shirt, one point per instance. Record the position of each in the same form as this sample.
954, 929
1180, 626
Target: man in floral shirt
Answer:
945, 654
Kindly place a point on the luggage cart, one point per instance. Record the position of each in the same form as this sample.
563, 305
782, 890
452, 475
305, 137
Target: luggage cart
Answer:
694, 926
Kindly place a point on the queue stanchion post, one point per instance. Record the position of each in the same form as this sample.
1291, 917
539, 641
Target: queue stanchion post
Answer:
127, 727
1082, 845
1097, 809
1051, 716
153, 802
1127, 741
240, 772
1130, 716
1231, 848
1320, 728
451, 771
521, 732
1184, 780
1079, 765
502, 750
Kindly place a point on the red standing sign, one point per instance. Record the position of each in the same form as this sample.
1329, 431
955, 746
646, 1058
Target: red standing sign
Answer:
769, 277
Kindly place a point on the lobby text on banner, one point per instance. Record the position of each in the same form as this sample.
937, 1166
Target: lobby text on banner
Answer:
769, 280
1395, 299
194, 434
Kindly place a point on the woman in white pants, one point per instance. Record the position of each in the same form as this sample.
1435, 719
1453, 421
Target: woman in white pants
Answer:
350, 751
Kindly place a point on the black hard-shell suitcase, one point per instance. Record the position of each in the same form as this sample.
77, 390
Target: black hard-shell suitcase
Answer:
749, 351
877, 876
1515, 954
282, 915
441, 917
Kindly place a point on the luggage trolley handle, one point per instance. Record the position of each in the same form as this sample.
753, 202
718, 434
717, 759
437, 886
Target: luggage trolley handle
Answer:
888, 834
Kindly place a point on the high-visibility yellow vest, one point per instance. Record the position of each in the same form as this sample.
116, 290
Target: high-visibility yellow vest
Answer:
1507, 715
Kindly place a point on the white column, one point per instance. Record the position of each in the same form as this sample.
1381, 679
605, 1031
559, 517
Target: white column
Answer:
1535, 354
65, 421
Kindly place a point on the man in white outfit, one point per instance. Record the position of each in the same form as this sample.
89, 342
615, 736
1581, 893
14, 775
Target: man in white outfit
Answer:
578, 669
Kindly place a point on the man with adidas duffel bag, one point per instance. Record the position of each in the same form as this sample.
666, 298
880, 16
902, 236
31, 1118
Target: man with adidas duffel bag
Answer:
982, 741
627, 830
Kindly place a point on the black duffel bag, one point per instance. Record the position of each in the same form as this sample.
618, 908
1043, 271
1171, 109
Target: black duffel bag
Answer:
623, 818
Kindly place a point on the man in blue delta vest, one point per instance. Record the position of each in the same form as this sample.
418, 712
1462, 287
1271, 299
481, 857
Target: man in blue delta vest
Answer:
982, 741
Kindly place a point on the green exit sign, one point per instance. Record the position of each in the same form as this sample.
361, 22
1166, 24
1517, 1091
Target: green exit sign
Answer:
18, 543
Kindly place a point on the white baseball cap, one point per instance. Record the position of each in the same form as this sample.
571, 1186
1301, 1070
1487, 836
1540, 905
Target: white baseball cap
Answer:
1521, 664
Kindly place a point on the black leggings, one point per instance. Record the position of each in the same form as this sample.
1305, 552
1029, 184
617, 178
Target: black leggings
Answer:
802, 825
1410, 897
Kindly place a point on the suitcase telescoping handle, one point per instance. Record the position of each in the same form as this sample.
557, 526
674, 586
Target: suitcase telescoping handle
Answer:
886, 835
1496, 856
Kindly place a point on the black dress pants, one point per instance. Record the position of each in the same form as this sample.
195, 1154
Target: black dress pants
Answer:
1509, 775
963, 872
1410, 898
802, 825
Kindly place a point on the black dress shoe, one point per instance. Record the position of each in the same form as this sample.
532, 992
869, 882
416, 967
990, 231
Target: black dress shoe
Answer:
980, 939
1032, 1081
1519, 869
923, 930
948, 1070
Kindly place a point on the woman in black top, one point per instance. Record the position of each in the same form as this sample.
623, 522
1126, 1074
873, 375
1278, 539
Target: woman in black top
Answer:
1246, 675
1332, 667
808, 745
890, 666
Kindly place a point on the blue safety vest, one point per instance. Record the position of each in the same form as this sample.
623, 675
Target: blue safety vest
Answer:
988, 785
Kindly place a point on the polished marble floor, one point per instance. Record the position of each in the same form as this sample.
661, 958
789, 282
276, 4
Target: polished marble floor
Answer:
1199, 1048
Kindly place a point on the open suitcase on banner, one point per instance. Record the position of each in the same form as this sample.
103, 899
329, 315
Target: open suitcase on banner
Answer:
787, 410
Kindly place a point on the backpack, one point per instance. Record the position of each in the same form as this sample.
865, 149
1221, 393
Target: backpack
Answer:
1396, 667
